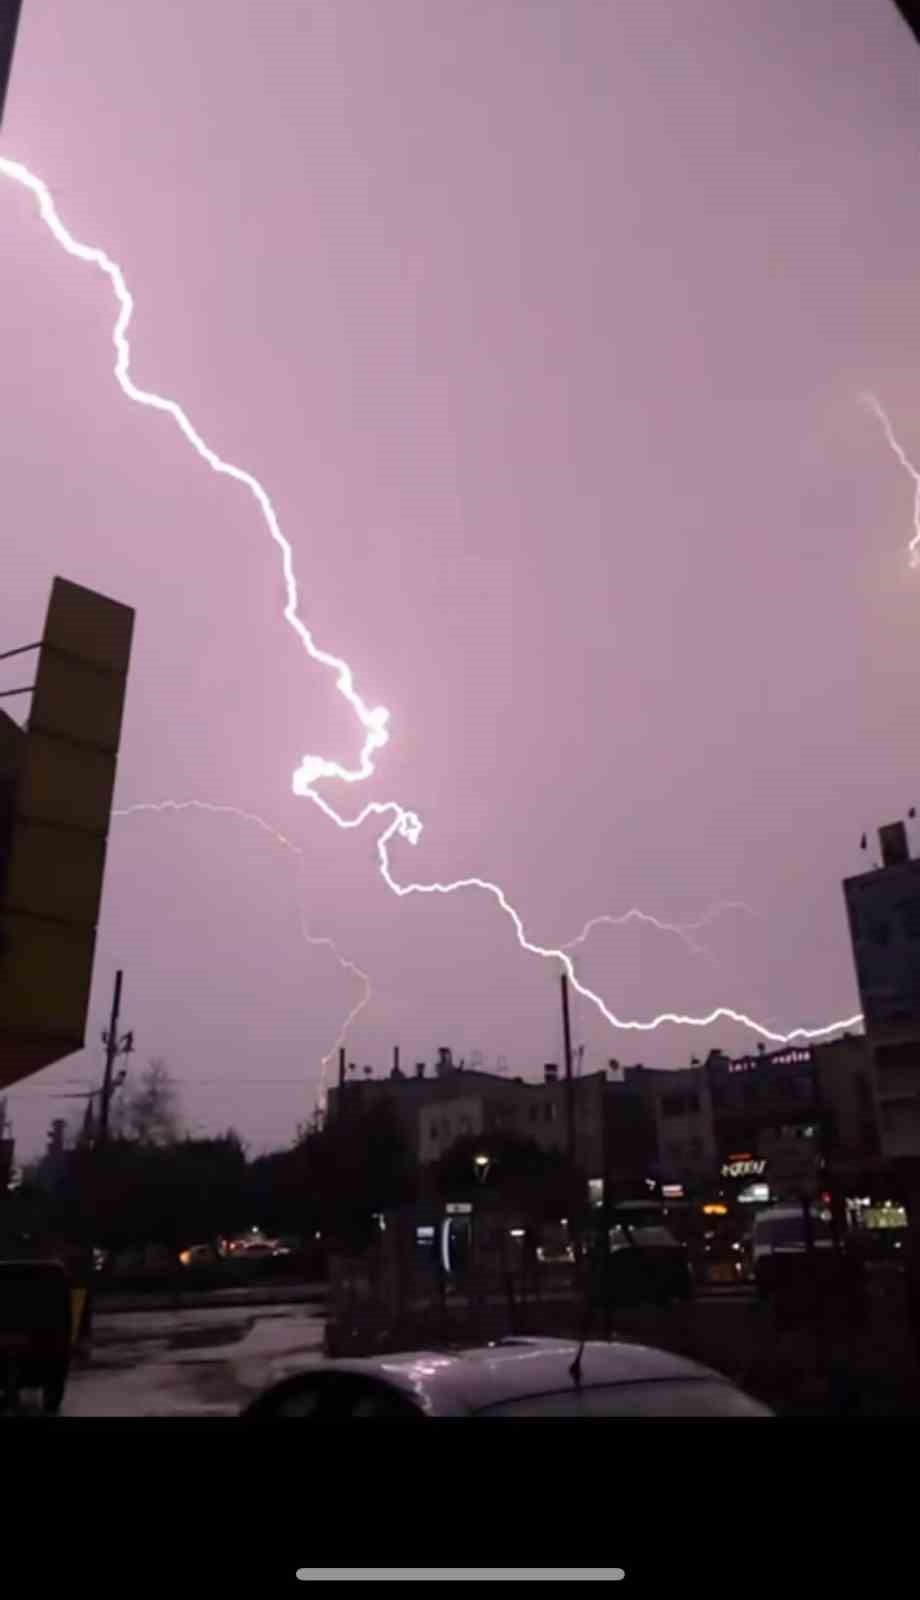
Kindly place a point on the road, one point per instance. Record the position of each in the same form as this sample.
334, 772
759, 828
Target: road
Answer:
189, 1363
199, 1362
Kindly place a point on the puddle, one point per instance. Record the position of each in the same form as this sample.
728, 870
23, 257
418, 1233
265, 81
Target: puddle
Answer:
210, 1338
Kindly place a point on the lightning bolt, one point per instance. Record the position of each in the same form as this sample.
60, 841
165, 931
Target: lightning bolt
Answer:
403, 824
318, 940
913, 549
682, 930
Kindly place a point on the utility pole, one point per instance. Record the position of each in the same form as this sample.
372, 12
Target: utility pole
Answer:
569, 1080
111, 1051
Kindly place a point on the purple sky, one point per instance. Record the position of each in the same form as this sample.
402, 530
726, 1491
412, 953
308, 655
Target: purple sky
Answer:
545, 326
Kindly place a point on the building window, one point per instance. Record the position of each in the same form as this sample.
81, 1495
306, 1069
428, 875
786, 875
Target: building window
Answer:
433, 1131
910, 918
466, 1125
693, 1101
676, 1150
696, 1146
534, 1113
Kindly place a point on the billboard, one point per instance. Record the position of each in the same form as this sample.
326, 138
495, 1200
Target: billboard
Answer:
57, 777
9, 21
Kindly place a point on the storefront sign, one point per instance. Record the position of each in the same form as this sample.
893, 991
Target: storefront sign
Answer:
749, 1168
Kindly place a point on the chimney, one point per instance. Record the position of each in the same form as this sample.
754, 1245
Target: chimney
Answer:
551, 1072
420, 1069
893, 842
445, 1062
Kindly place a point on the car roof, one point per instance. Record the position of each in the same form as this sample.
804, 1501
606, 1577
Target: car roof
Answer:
447, 1383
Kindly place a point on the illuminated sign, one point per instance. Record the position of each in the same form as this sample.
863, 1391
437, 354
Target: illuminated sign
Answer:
744, 1169
458, 1208
755, 1194
672, 1191
716, 1210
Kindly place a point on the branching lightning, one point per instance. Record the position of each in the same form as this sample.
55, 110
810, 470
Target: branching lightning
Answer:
403, 824
913, 549
318, 940
682, 930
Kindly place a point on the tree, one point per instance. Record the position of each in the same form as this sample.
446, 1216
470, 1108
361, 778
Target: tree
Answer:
148, 1113
350, 1170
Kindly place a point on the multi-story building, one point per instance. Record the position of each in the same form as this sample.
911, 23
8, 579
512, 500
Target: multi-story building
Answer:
785, 1118
765, 1122
678, 1107
883, 906
613, 1126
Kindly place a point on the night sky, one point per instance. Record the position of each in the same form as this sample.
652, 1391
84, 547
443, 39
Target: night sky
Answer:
546, 326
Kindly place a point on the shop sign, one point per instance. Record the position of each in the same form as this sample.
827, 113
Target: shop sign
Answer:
749, 1168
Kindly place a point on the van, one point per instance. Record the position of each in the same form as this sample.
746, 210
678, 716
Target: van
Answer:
779, 1234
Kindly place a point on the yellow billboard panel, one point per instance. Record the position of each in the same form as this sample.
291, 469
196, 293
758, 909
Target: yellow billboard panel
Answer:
37, 952
57, 872
59, 785
66, 786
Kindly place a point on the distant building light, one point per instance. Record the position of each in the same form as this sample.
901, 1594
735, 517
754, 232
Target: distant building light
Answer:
715, 1210
754, 1194
672, 1191
516, 1233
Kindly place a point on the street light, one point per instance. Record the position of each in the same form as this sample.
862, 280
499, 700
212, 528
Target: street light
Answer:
481, 1165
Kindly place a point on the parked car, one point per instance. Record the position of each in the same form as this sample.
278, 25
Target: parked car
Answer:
512, 1378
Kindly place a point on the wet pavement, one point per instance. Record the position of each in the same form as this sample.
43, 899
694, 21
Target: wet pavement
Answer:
189, 1363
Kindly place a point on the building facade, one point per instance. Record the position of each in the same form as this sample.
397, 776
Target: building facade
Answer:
768, 1123
883, 908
